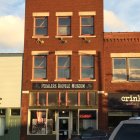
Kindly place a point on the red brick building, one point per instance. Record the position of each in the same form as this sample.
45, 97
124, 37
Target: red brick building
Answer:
62, 74
122, 75
75, 76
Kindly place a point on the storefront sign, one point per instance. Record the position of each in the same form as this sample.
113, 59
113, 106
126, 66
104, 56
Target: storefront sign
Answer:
124, 101
48, 86
87, 114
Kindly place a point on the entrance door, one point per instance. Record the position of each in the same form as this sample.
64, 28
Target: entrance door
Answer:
63, 128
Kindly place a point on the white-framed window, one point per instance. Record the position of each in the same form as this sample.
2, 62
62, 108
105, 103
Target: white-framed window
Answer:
87, 68
41, 121
126, 69
63, 26
87, 26
40, 24
39, 67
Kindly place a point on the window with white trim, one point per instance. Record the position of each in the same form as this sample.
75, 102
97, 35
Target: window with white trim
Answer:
64, 26
126, 69
39, 67
87, 25
40, 26
63, 67
87, 67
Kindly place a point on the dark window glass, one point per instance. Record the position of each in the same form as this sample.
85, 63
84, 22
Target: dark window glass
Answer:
83, 98
72, 98
128, 132
87, 25
2, 111
15, 112
63, 98
64, 67
92, 98
64, 26
87, 67
53, 98
42, 99
41, 26
40, 67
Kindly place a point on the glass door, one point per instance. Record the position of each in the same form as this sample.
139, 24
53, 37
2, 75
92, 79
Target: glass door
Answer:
63, 128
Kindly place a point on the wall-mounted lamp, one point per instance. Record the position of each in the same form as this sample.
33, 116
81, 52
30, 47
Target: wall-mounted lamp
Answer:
62, 40
86, 40
39, 41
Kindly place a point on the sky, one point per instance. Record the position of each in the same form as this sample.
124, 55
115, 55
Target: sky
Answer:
119, 16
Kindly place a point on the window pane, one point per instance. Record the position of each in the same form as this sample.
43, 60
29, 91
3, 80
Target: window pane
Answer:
51, 121
64, 73
40, 73
64, 30
134, 75
72, 99
87, 21
128, 132
134, 63
42, 99
33, 99
41, 22
64, 21
63, 98
119, 74
41, 31
52, 99
87, 61
87, 30
40, 61
92, 98
37, 122
87, 73
83, 98
63, 61
15, 112
119, 63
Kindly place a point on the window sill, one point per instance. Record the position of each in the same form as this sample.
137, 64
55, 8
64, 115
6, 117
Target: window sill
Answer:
59, 36
63, 80
87, 36
39, 80
87, 80
113, 81
35, 36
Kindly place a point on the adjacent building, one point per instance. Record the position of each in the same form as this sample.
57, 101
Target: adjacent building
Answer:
10, 95
75, 76
62, 77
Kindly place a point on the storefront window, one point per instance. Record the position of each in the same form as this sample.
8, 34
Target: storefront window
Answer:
63, 98
83, 98
53, 98
92, 98
72, 99
87, 119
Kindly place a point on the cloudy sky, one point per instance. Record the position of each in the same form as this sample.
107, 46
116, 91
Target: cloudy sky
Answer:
119, 16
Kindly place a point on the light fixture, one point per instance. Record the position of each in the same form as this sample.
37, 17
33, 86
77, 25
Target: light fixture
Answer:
39, 41
62, 40
86, 40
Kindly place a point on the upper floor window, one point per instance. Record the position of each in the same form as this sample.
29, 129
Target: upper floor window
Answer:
39, 67
41, 26
64, 26
126, 69
87, 67
63, 67
87, 25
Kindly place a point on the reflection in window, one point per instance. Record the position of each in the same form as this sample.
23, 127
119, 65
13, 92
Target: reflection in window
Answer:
64, 67
39, 69
126, 69
72, 99
87, 67
87, 25
64, 26
41, 26
83, 98
92, 98
38, 122
53, 98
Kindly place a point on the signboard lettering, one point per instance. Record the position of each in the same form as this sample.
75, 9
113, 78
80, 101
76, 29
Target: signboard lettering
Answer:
47, 86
